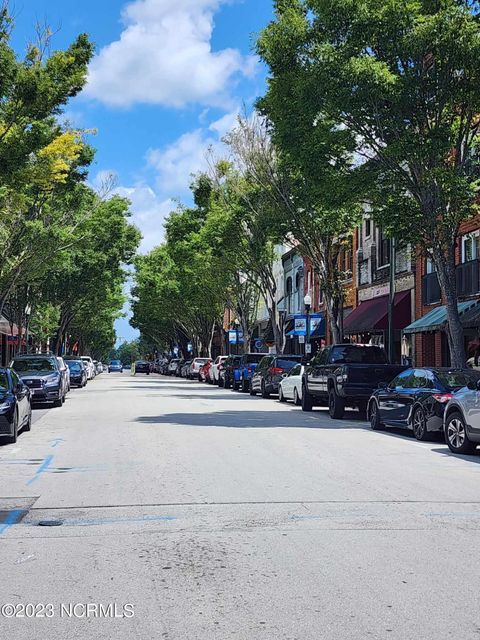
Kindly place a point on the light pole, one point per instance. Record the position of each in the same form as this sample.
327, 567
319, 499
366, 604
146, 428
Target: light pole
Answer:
28, 313
237, 324
307, 301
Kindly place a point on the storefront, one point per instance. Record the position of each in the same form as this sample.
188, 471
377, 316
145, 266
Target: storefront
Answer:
428, 336
368, 323
296, 333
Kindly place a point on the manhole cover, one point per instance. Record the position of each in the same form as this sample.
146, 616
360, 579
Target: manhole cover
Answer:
50, 523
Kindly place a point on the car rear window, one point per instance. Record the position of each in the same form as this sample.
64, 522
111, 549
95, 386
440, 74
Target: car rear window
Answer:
252, 358
283, 363
202, 360
457, 379
355, 354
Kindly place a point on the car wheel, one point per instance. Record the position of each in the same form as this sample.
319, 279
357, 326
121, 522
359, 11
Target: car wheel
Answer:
265, 394
244, 386
13, 438
296, 399
336, 405
419, 425
456, 435
281, 397
375, 423
307, 400
57, 402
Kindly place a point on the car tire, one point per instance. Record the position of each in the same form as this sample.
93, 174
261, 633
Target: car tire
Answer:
336, 405
419, 425
307, 400
252, 390
281, 397
265, 394
374, 416
296, 400
57, 402
456, 435
245, 386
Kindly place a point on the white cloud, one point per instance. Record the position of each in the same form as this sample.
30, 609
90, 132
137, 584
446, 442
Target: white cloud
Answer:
164, 56
176, 163
149, 212
225, 124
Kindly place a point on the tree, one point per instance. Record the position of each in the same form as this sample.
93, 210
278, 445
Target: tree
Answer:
404, 80
305, 171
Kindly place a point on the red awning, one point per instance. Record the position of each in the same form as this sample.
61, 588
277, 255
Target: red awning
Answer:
5, 327
372, 315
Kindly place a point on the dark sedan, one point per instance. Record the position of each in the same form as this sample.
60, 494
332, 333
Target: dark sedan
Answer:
78, 373
416, 399
269, 372
142, 367
228, 375
15, 406
115, 365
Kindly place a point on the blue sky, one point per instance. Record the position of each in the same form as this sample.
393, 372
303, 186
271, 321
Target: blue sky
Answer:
166, 82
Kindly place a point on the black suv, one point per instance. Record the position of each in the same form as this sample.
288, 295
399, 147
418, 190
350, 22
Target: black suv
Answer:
229, 372
269, 372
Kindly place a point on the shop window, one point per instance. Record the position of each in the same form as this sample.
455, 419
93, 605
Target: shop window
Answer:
368, 227
289, 295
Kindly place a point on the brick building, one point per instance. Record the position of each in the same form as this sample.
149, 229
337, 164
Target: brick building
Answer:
427, 335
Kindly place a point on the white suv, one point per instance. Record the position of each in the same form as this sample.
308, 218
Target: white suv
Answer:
214, 369
91, 373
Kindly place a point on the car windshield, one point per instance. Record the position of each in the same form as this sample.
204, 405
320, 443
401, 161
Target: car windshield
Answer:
3, 382
115, 362
457, 379
252, 358
355, 354
74, 366
201, 360
37, 365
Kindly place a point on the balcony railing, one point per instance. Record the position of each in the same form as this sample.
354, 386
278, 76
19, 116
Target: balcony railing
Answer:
468, 278
430, 289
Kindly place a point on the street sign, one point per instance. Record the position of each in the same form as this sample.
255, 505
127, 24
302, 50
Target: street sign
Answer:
308, 348
232, 336
301, 339
258, 343
189, 347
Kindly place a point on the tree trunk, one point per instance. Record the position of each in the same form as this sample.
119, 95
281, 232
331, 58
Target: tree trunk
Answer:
446, 272
277, 329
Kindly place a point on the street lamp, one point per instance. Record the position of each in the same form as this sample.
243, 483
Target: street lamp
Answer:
28, 313
307, 301
237, 324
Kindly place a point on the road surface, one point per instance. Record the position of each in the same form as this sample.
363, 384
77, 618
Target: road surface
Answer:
202, 514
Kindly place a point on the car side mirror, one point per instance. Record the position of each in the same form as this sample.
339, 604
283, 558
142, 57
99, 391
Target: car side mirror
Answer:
382, 385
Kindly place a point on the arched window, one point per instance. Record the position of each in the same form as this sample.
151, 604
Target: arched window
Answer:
299, 289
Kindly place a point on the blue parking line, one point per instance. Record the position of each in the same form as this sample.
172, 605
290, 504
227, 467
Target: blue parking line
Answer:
12, 518
43, 467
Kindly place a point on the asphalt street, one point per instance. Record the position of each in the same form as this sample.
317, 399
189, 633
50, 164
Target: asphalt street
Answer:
216, 515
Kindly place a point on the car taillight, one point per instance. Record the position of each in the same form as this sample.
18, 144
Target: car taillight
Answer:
275, 370
443, 398
249, 370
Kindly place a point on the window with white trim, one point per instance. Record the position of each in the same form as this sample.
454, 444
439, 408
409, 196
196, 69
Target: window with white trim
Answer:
471, 246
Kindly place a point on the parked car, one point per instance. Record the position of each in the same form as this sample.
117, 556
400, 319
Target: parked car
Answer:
183, 370
65, 371
90, 367
344, 375
98, 367
141, 366
290, 387
214, 373
78, 373
115, 366
462, 420
15, 406
172, 366
42, 375
203, 374
270, 371
229, 372
416, 399
197, 363
248, 364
